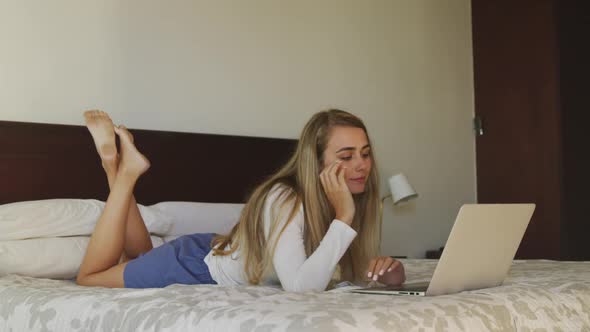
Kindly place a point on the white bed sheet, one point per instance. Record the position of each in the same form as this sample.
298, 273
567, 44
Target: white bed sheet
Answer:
549, 295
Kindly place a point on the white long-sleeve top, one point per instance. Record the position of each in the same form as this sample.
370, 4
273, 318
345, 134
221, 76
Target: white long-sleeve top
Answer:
291, 268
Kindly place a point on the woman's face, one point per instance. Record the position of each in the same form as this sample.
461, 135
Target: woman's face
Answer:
351, 146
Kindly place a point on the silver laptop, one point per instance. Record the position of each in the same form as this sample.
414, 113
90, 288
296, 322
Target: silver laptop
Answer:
478, 253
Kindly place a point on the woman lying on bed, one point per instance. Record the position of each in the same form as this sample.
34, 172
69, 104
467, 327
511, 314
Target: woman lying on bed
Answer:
312, 220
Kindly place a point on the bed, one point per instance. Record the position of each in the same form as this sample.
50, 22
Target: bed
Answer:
45, 161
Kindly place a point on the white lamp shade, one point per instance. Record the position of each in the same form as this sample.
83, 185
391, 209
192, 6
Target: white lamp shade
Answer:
401, 190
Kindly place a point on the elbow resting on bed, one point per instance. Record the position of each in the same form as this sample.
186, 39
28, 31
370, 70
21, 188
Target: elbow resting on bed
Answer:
301, 287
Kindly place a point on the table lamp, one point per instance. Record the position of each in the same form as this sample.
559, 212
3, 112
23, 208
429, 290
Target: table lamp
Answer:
401, 191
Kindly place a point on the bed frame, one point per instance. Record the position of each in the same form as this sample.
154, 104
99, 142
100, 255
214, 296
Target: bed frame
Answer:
44, 161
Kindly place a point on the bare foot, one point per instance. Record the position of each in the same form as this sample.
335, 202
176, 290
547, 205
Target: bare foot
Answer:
102, 130
132, 161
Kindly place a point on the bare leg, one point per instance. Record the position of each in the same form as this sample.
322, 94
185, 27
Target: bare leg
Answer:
100, 125
137, 237
100, 266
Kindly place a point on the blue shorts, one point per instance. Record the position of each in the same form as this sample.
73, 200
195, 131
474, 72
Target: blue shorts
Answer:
180, 261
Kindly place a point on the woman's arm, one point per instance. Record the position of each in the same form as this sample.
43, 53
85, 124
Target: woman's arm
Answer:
299, 273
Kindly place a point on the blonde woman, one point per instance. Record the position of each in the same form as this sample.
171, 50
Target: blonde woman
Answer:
312, 222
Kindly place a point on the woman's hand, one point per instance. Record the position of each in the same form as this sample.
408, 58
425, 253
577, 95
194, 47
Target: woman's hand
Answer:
334, 183
386, 270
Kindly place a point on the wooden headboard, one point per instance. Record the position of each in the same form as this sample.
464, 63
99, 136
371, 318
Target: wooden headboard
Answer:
43, 161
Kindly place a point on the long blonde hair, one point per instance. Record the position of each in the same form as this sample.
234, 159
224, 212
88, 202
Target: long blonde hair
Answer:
301, 175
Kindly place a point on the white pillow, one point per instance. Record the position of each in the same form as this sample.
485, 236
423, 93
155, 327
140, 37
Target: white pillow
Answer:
64, 217
48, 238
193, 217
58, 258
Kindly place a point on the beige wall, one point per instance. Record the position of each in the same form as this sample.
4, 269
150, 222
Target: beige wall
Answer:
262, 67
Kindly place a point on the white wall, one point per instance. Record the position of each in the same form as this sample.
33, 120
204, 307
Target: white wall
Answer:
261, 68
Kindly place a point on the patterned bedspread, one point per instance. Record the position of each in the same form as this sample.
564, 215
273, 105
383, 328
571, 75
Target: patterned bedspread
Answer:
538, 295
